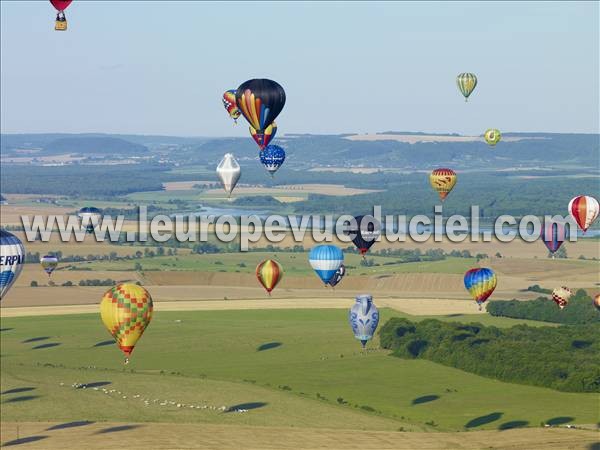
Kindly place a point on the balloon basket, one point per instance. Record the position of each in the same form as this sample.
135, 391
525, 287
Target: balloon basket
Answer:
60, 25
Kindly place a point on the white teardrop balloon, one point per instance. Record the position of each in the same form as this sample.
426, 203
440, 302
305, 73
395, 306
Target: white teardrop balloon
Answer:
229, 172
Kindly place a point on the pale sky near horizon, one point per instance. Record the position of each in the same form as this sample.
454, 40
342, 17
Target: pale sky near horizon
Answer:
160, 67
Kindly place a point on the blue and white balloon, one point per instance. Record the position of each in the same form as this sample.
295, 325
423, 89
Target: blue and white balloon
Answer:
363, 318
326, 260
272, 157
12, 258
90, 217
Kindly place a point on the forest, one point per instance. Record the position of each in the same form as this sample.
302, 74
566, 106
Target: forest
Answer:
564, 358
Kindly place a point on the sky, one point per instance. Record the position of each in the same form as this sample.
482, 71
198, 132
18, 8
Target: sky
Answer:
160, 67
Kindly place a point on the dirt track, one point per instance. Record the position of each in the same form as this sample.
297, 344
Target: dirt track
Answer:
92, 436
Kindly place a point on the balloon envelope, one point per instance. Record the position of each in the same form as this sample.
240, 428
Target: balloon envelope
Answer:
61, 5
126, 311
12, 258
229, 172
260, 101
442, 181
596, 301
230, 104
269, 273
325, 261
337, 277
466, 83
90, 217
561, 296
363, 318
272, 157
492, 136
263, 138
49, 263
365, 233
553, 234
584, 210
480, 283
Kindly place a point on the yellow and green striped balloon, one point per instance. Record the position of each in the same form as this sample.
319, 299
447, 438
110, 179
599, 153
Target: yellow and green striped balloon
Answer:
126, 310
269, 274
466, 83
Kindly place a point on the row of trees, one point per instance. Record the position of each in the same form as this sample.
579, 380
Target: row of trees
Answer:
563, 358
580, 309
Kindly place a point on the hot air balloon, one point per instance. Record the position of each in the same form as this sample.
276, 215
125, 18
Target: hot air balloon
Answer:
584, 210
365, 233
561, 296
596, 301
443, 181
480, 283
49, 263
325, 261
229, 172
553, 234
61, 19
272, 157
269, 274
363, 318
337, 277
126, 310
90, 217
466, 83
492, 136
260, 101
12, 258
263, 139
230, 105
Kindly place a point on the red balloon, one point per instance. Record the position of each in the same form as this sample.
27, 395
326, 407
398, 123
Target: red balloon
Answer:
61, 5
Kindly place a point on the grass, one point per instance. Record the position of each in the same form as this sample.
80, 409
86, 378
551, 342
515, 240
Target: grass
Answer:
295, 363
293, 263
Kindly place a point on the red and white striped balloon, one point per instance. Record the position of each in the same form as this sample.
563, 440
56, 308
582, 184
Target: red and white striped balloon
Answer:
584, 210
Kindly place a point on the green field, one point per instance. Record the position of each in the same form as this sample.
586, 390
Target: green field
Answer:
309, 372
293, 263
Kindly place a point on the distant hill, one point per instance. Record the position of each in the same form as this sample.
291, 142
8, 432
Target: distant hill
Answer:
98, 145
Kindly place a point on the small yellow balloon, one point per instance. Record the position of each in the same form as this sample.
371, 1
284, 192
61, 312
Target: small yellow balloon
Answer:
443, 181
492, 136
126, 310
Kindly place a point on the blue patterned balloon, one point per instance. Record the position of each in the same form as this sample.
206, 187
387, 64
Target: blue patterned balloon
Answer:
363, 318
12, 258
326, 260
272, 157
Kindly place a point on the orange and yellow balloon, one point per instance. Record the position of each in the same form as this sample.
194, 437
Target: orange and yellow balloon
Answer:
126, 310
596, 301
269, 274
443, 181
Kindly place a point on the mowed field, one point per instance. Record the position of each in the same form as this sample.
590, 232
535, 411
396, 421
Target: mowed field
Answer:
285, 370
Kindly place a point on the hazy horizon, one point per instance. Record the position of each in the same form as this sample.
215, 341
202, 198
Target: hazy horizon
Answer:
141, 68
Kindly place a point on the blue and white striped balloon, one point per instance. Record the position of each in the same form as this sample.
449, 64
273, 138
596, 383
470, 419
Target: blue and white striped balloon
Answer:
363, 318
12, 258
326, 260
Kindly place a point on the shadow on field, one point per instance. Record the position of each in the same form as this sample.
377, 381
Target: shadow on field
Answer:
94, 384
62, 426
268, 346
594, 446
22, 398
116, 429
454, 315
24, 440
483, 420
6, 329
513, 424
578, 344
425, 399
17, 390
246, 406
35, 339
103, 343
560, 420
48, 345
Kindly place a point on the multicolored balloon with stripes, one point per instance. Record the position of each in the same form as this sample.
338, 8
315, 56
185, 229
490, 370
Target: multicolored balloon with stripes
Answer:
584, 210
49, 263
265, 137
442, 181
269, 273
126, 311
553, 234
230, 105
466, 83
325, 261
12, 258
480, 283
